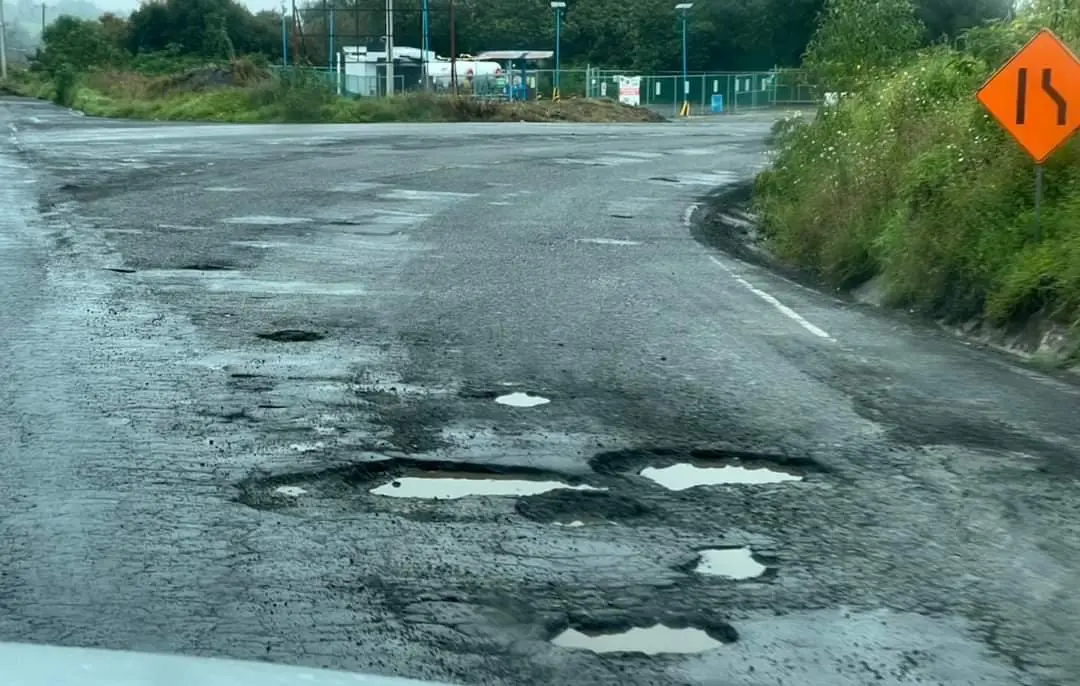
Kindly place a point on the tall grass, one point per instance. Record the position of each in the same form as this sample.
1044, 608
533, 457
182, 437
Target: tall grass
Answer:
911, 181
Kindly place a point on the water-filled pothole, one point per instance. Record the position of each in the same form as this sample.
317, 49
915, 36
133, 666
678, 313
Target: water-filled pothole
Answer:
684, 475
291, 336
679, 469
424, 479
449, 487
658, 639
519, 399
729, 563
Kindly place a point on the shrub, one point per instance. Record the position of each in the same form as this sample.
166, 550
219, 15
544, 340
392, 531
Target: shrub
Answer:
911, 180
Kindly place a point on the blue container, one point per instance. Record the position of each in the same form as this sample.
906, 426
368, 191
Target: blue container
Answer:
717, 104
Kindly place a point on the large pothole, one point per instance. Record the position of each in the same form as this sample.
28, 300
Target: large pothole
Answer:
404, 478
678, 469
291, 336
661, 638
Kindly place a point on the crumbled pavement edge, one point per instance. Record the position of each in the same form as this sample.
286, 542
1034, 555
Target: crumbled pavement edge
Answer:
725, 221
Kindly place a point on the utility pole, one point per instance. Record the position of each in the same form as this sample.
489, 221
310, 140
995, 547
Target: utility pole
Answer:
42, 19
330, 42
389, 47
453, 51
3, 43
425, 42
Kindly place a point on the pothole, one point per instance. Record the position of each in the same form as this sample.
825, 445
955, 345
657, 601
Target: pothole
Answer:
207, 267
291, 336
658, 639
588, 507
622, 216
679, 469
407, 478
267, 220
729, 563
608, 241
664, 179
684, 475
519, 399
450, 487
290, 491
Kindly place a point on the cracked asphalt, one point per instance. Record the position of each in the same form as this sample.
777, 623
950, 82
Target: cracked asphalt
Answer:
195, 316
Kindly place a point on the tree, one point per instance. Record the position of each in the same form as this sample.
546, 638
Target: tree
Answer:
856, 38
78, 43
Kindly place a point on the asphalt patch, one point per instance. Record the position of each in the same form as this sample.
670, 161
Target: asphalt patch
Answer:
357, 479
565, 506
291, 336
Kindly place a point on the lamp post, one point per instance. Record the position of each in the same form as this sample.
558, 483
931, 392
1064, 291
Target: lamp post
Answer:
559, 6
284, 38
683, 8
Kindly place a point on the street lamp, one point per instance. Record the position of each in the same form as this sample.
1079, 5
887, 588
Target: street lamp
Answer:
559, 6
683, 8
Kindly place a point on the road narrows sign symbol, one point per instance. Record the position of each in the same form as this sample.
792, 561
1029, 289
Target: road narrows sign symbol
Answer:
1036, 95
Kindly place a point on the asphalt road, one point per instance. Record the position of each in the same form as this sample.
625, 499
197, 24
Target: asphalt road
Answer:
178, 478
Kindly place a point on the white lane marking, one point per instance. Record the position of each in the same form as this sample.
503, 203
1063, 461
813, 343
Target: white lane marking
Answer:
784, 309
688, 215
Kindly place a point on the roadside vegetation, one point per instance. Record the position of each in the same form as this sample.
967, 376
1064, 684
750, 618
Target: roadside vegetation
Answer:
907, 180
242, 91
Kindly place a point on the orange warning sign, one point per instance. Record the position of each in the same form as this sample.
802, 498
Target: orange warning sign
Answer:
1036, 95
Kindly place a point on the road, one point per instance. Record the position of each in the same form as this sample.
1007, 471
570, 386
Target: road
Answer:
219, 339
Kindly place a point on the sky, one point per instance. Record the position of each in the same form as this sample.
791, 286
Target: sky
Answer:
125, 6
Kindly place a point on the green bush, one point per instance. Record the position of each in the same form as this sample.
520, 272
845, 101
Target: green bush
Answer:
65, 81
911, 180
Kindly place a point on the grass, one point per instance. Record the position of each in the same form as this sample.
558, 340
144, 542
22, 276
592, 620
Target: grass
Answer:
239, 92
912, 181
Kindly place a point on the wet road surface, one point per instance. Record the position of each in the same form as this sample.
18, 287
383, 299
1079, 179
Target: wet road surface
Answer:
233, 353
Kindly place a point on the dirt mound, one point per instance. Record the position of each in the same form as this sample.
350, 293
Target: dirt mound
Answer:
236, 73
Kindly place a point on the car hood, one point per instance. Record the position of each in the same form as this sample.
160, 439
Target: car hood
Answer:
27, 664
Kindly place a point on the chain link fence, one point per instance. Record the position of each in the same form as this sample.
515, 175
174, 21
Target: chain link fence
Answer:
706, 93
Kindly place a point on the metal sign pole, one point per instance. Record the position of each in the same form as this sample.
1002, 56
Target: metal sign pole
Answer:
1038, 200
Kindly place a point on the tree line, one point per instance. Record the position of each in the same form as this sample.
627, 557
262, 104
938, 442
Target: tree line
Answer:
642, 35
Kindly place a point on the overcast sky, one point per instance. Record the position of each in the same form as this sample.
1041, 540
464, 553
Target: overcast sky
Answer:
128, 5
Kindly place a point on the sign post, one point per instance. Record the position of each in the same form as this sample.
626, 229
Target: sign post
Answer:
1035, 96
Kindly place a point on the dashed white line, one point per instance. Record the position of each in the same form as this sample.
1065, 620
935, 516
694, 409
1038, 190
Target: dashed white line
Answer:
784, 309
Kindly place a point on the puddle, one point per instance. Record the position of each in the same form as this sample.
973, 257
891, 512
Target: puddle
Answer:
519, 399
266, 220
655, 640
608, 241
730, 563
681, 476
573, 525
451, 488
290, 491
